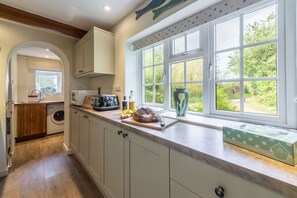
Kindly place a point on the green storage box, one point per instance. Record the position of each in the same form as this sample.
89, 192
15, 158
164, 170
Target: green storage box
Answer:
273, 142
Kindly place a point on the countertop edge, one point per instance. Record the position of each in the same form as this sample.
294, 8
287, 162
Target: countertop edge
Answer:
275, 184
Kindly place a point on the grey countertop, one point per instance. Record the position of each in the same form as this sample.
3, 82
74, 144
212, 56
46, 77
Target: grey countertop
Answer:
207, 145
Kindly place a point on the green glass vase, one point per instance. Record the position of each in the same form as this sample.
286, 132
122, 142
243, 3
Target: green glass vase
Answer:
181, 96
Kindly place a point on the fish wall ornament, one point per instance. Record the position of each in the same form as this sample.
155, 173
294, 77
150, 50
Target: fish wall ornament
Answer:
152, 5
167, 6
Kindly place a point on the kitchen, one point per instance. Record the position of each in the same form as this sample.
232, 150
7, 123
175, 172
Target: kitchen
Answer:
126, 65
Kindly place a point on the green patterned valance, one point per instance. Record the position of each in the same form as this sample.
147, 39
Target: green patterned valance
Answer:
216, 11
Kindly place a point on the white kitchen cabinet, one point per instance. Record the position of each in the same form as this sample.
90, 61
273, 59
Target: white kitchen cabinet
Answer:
94, 53
178, 191
148, 168
113, 162
78, 58
84, 138
96, 149
134, 166
74, 135
202, 179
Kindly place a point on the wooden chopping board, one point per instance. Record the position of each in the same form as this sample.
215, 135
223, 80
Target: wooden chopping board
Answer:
152, 125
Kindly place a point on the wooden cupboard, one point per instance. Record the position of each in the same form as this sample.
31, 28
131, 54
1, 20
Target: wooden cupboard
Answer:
30, 121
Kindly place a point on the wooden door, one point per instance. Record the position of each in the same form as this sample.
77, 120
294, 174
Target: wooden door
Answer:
31, 121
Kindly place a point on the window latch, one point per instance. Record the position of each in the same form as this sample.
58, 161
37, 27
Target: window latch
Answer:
184, 53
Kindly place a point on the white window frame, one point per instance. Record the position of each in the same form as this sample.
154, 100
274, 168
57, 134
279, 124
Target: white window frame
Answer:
280, 79
143, 79
59, 79
286, 46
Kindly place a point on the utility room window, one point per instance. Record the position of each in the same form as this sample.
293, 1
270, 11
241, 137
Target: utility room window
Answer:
48, 82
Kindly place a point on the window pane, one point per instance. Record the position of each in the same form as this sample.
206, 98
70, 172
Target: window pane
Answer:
228, 96
260, 61
193, 41
158, 74
173, 87
158, 54
179, 45
177, 72
227, 34
159, 94
148, 57
260, 25
260, 97
195, 97
148, 75
48, 81
149, 93
228, 65
194, 70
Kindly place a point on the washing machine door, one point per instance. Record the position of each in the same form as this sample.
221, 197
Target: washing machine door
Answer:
58, 116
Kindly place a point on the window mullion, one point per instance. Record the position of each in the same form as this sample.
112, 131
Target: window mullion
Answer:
241, 38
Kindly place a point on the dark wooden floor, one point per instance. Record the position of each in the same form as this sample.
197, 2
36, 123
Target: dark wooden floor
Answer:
42, 169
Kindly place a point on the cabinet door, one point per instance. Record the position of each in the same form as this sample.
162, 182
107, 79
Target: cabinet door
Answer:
148, 171
78, 58
89, 53
74, 133
178, 191
96, 149
113, 162
84, 138
202, 179
31, 120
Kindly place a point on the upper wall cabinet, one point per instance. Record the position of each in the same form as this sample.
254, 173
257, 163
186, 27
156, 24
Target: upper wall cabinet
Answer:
94, 54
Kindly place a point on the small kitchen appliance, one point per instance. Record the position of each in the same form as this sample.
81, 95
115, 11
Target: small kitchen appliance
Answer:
78, 96
104, 102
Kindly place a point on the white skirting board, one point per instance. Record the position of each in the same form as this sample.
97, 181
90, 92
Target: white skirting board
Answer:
67, 150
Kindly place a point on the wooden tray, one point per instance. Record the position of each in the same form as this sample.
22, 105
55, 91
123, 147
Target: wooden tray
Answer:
152, 125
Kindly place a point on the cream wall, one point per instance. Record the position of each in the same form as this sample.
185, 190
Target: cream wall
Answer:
13, 34
26, 76
124, 30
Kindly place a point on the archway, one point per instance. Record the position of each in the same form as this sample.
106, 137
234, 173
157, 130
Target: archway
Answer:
65, 64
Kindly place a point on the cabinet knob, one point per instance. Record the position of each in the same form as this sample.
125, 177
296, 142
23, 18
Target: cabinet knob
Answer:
220, 191
85, 116
75, 111
80, 71
125, 135
120, 132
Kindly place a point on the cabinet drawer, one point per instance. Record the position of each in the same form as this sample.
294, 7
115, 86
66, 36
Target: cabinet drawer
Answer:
202, 179
178, 191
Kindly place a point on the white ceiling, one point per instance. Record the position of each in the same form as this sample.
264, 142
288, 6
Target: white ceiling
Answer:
83, 14
38, 52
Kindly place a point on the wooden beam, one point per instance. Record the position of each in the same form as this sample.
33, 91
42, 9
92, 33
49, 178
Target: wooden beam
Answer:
28, 18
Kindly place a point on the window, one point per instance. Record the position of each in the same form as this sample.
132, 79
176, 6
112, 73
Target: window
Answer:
246, 63
48, 81
153, 69
234, 67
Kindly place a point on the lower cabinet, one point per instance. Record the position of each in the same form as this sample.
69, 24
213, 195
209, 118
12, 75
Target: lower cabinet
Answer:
134, 166
178, 191
203, 180
123, 164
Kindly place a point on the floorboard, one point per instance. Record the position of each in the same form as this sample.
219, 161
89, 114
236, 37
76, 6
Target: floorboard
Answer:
42, 169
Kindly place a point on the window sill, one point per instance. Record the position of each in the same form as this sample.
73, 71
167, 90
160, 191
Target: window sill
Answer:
203, 121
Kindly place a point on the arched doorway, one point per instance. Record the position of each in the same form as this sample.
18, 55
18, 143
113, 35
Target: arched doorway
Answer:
66, 67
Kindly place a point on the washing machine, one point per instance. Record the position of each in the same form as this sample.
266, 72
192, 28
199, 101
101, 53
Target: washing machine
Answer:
55, 118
